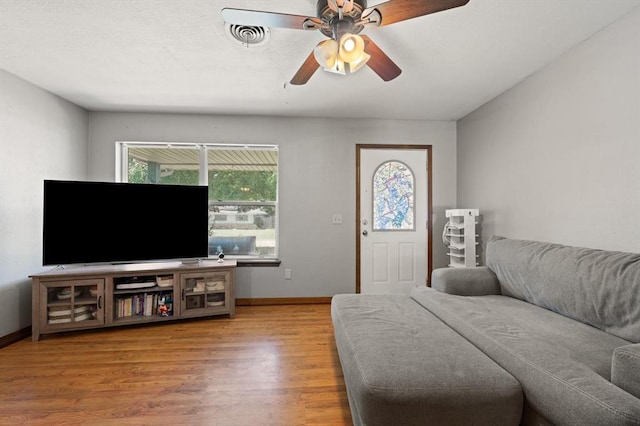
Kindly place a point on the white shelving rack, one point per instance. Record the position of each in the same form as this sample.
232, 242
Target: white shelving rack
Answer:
460, 237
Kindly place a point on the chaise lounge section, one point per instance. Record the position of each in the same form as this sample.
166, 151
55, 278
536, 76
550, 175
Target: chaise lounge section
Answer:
564, 322
403, 366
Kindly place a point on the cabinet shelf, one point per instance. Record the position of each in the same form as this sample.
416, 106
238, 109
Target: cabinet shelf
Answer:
200, 293
155, 289
91, 299
140, 319
68, 303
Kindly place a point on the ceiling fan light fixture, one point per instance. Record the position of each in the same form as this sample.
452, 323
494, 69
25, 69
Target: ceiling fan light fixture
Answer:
359, 63
338, 67
344, 58
326, 53
351, 47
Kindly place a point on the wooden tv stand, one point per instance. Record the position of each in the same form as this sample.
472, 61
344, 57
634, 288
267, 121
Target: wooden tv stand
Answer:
89, 297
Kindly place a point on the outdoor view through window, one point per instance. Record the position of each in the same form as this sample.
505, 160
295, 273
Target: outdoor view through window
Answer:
242, 182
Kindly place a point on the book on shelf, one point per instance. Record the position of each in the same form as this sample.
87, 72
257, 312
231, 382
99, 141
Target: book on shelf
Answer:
145, 304
148, 305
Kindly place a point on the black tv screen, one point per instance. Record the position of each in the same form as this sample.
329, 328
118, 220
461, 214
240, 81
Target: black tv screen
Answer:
107, 222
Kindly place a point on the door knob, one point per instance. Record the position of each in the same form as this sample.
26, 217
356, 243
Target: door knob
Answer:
365, 233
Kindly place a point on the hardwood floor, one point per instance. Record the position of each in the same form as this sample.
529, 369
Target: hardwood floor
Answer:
271, 365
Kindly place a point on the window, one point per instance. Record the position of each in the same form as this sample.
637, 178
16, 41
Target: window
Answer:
393, 195
242, 182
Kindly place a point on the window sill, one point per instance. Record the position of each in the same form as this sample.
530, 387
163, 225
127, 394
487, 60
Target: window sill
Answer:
252, 263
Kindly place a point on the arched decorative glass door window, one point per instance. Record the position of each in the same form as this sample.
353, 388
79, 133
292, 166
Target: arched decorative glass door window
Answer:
393, 197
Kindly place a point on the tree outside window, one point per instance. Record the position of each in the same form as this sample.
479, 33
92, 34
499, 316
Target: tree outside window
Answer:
242, 182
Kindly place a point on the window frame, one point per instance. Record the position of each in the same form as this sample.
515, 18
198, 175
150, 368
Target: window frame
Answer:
121, 174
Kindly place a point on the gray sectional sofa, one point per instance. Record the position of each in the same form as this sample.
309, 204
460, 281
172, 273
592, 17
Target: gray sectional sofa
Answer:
544, 334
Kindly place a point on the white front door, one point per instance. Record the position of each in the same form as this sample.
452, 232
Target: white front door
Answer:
393, 222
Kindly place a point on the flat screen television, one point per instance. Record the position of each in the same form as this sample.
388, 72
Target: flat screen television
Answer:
107, 222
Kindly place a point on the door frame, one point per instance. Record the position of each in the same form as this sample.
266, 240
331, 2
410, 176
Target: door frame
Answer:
429, 258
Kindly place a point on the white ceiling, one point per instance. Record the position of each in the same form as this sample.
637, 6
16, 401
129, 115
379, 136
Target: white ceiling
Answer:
174, 56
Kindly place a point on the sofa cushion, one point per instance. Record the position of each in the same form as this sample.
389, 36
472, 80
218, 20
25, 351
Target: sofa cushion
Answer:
480, 281
597, 287
625, 368
562, 365
403, 366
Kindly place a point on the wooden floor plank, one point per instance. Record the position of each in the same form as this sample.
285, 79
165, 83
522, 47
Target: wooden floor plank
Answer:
270, 365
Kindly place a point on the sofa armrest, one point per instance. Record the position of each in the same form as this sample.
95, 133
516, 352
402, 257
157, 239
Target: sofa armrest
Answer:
625, 368
480, 281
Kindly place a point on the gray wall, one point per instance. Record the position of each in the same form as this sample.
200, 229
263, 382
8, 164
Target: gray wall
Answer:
41, 137
557, 158
317, 179
44, 137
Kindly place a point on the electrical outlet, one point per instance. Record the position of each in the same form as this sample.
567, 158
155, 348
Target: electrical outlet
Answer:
287, 274
336, 219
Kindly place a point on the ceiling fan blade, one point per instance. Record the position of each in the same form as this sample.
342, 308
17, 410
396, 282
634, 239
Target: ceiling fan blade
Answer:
379, 62
305, 72
270, 19
400, 10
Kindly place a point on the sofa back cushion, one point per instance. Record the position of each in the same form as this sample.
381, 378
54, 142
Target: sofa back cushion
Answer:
597, 287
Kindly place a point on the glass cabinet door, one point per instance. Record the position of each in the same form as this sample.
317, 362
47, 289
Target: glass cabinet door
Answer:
73, 304
208, 292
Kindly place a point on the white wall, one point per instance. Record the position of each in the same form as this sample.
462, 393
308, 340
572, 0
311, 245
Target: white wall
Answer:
557, 158
317, 179
41, 137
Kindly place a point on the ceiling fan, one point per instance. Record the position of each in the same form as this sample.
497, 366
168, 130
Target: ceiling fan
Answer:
341, 21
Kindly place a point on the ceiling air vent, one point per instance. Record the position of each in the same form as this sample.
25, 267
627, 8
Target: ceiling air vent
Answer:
248, 35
